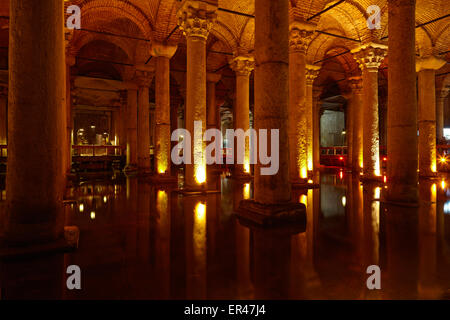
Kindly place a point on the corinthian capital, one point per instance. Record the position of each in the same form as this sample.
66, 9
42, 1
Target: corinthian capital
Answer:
370, 56
312, 72
196, 17
242, 65
300, 36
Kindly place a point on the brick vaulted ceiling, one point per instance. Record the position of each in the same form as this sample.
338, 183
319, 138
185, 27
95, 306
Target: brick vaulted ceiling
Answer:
139, 22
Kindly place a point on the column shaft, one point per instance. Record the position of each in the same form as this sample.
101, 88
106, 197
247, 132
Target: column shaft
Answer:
427, 123
316, 133
143, 130
272, 93
35, 180
132, 129
162, 114
440, 99
402, 105
211, 102
3, 116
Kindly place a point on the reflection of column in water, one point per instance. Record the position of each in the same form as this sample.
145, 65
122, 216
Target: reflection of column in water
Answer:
244, 286
178, 248
195, 212
371, 195
143, 219
426, 286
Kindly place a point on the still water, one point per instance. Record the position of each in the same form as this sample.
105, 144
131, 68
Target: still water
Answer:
139, 241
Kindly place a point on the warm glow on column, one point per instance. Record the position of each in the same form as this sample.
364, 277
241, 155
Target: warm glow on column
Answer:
377, 166
246, 191
200, 173
199, 155
304, 172
304, 199
246, 165
310, 162
433, 166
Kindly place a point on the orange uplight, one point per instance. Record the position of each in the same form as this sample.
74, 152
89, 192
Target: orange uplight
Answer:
384, 179
341, 175
384, 158
443, 160
341, 158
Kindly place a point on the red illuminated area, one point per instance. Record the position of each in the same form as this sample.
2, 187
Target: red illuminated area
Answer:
333, 183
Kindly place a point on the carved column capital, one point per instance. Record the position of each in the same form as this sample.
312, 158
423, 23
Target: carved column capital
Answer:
370, 56
300, 36
242, 65
429, 63
160, 49
312, 72
197, 17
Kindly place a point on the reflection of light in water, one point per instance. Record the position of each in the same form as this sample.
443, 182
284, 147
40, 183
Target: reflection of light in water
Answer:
443, 184
200, 211
161, 201
304, 199
246, 191
341, 175
199, 241
105, 199
344, 201
92, 215
447, 207
81, 207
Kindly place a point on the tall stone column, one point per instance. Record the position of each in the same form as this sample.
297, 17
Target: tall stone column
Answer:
402, 105
144, 79
212, 80
70, 62
312, 72
196, 19
316, 129
299, 37
242, 66
35, 179
272, 193
357, 118
132, 96
3, 116
163, 54
369, 57
426, 68
440, 100
122, 124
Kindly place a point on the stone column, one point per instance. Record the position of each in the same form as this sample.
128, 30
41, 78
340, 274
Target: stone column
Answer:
196, 19
316, 129
299, 37
35, 179
369, 58
272, 193
426, 68
163, 54
144, 79
212, 79
122, 124
3, 116
402, 105
440, 100
357, 119
312, 72
242, 66
132, 95
70, 62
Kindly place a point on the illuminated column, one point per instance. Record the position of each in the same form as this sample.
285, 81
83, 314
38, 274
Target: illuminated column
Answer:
272, 192
196, 19
369, 58
35, 180
132, 95
316, 129
163, 55
212, 79
3, 116
299, 37
357, 115
312, 72
144, 79
70, 62
426, 68
242, 66
122, 134
402, 162
440, 100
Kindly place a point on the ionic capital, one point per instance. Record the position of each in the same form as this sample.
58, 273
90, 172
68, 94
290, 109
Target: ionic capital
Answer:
429, 63
196, 17
213, 77
370, 56
355, 84
242, 65
300, 36
160, 49
312, 71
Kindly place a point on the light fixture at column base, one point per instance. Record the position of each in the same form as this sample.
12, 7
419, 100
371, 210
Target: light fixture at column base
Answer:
286, 216
64, 244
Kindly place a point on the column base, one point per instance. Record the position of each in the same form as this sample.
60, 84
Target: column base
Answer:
304, 184
65, 244
163, 179
279, 216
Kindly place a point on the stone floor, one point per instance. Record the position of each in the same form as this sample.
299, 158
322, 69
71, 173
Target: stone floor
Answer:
141, 242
